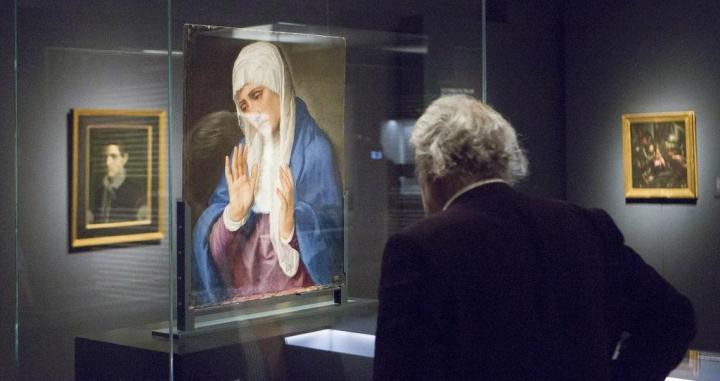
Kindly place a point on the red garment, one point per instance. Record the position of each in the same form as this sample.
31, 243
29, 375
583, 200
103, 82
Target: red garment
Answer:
248, 263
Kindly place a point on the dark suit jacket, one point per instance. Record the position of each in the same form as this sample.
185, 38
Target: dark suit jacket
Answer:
124, 203
502, 286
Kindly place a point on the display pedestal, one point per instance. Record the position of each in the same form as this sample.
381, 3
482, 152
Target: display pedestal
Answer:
252, 349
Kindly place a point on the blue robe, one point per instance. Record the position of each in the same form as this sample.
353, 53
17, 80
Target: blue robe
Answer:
318, 214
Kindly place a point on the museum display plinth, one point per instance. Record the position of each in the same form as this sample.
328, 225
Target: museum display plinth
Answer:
251, 349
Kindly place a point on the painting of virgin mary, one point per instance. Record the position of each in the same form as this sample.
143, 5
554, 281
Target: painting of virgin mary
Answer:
274, 221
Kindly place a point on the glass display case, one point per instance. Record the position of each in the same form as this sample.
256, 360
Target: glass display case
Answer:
104, 105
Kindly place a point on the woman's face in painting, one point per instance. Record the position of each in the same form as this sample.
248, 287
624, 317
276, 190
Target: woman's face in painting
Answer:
260, 106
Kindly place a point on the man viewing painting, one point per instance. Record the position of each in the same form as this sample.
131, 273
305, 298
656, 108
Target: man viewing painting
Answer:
495, 284
273, 223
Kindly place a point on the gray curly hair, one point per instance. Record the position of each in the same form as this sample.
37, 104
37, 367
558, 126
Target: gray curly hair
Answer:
461, 139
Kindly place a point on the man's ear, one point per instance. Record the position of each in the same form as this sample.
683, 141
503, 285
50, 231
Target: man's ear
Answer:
125, 158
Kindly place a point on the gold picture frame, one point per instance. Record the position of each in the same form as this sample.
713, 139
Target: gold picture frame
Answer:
118, 177
659, 155
689, 367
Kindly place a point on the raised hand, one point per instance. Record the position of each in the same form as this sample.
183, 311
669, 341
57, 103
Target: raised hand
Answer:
286, 192
241, 186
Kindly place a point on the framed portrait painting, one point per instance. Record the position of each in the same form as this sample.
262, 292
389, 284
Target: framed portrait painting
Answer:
118, 177
659, 155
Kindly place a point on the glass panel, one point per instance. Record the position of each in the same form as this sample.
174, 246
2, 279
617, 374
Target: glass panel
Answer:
8, 281
93, 232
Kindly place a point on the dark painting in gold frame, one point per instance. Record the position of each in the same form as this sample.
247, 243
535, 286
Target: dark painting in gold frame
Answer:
659, 155
118, 177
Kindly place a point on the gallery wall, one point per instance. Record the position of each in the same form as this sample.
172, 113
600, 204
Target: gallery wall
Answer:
525, 84
7, 192
649, 56
95, 61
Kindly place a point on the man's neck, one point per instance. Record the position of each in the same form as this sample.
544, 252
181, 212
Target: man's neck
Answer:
469, 187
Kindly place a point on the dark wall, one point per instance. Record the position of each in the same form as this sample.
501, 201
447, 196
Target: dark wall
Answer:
649, 56
525, 84
7, 192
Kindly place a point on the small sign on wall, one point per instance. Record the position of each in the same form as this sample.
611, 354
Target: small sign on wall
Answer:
457, 90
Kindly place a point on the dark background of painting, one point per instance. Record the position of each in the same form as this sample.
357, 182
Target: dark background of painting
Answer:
657, 134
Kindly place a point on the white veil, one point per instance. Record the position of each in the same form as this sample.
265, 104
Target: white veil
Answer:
262, 63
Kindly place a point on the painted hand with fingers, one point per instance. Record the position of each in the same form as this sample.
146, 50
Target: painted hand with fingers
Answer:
286, 193
241, 184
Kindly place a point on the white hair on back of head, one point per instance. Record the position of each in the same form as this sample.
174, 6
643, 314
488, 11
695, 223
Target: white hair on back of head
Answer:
464, 140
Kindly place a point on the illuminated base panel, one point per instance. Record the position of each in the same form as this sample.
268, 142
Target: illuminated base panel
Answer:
331, 340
